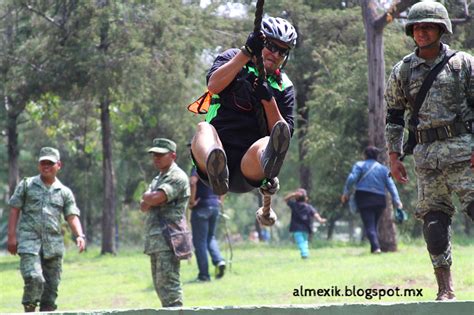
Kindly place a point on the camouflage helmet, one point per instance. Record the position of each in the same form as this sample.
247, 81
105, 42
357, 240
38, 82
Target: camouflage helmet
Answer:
428, 12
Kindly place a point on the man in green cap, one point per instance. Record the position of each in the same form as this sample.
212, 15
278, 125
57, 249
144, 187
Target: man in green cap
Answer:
443, 150
42, 201
164, 201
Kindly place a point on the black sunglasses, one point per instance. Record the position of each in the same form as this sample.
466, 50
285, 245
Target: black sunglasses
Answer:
275, 48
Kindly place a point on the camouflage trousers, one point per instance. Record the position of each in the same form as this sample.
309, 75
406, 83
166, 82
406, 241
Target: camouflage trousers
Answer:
41, 277
435, 187
165, 272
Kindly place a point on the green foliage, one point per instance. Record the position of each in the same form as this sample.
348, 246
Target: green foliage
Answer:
53, 74
334, 61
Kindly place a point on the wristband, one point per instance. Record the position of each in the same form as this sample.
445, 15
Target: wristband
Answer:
81, 236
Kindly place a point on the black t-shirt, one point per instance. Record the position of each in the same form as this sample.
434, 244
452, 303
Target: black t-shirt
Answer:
236, 120
302, 215
207, 198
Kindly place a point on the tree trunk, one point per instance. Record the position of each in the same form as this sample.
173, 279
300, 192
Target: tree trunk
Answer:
13, 152
374, 26
302, 123
376, 107
351, 228
108, 214
302, 112
331, 226
417, 230
13, 113
467, 225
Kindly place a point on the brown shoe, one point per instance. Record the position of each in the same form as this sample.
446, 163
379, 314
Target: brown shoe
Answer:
445, 284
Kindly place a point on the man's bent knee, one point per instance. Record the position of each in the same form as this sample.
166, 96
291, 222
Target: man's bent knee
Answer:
436, 231
203, 126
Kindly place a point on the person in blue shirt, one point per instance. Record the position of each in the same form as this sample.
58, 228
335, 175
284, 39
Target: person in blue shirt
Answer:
205, 206
371, 179
302, 215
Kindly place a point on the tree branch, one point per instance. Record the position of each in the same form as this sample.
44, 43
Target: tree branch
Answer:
393, 12
466, 18
47, 18
23, 61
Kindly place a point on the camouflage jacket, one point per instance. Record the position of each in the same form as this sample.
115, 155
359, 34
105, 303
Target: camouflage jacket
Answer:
42, 209
175, 184
451, 97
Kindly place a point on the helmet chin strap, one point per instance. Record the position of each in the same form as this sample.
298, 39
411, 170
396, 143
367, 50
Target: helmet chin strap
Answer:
284, 62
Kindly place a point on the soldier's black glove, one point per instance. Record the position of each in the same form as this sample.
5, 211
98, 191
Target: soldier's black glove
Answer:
254, 44
262, 90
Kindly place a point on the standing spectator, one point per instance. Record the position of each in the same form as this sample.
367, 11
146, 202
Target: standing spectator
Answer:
302, 214
443, 151
371, 179
165, 201
42, 201
205, 207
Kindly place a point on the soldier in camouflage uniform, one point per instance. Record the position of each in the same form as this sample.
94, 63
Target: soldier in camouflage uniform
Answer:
166, 199
42, 201
444, 146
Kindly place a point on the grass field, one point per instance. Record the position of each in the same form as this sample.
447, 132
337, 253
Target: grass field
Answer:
260, 274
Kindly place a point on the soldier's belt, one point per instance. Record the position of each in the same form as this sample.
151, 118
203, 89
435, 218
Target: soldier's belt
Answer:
440, 133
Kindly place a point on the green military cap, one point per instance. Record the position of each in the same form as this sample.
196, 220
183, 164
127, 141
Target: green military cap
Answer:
162, 145
49, 154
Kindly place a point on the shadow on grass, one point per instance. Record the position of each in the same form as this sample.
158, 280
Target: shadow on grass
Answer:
8, 266
150, 288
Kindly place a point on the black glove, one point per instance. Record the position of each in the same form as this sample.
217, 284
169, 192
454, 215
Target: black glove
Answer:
262, 90
254, 44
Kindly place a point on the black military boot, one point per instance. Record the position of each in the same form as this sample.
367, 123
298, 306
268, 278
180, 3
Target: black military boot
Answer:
445, 284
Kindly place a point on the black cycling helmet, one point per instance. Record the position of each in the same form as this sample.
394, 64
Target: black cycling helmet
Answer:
279, 29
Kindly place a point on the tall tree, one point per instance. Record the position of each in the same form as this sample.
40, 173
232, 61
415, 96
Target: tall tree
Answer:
109, 205
15, 93
374, 25
26, 71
